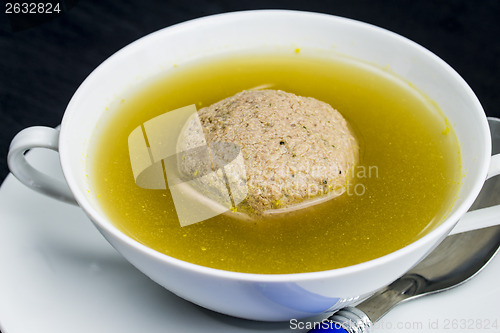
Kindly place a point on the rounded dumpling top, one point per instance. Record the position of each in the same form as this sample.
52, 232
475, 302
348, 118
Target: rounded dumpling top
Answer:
294, 148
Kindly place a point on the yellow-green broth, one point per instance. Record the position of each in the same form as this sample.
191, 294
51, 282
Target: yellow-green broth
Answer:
407, 180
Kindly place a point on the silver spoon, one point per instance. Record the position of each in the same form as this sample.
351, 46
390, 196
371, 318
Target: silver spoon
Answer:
456, 260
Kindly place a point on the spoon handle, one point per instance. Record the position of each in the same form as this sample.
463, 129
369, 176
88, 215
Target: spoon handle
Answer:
347, 320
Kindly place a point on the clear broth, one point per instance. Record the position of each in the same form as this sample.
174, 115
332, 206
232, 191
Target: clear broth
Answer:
409, 170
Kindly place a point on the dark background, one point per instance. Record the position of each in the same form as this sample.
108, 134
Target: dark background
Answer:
43, 63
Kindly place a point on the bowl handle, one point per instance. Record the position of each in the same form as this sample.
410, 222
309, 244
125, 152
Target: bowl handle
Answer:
484, 217
37, 137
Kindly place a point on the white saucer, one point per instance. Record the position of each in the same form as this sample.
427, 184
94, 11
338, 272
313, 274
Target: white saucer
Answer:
59, 275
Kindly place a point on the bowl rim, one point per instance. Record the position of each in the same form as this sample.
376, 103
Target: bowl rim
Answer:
103, 223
